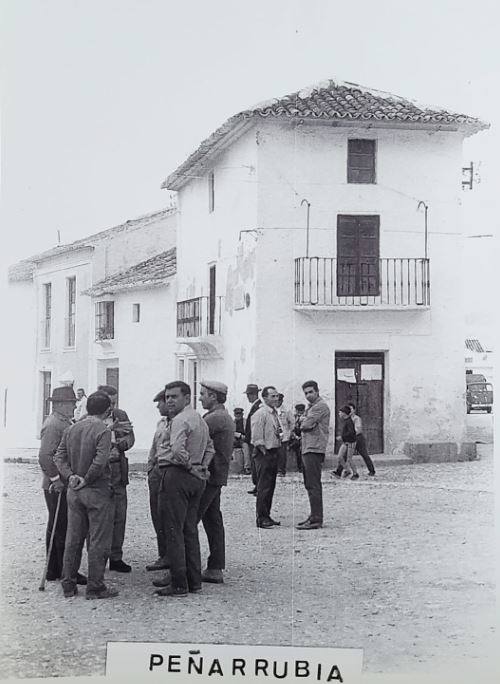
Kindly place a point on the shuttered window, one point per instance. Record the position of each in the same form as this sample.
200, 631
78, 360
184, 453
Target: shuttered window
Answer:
361, 161
358, 272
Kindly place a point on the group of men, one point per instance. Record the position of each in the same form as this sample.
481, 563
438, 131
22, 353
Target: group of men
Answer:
86, 473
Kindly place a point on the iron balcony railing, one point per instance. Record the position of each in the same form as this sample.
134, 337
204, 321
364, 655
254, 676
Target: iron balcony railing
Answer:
325, 281
199, 317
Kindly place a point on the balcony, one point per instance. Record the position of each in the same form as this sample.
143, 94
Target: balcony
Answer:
397, 284
199, 325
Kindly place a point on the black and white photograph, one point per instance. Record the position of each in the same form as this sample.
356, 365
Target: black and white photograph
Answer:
247, 371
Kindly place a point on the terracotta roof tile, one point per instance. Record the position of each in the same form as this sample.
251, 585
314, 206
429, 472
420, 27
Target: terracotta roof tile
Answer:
152, 272
326, 101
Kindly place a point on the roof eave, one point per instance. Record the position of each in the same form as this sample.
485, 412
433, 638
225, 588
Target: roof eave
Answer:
97, 291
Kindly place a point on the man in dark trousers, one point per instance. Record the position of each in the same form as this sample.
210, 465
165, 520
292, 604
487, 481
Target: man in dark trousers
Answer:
252, 392
266, 438
295, 439
154, 481
239, 434
361, 447
314, 427
82, 459
184, 454
213, 396
122, 439
63, 405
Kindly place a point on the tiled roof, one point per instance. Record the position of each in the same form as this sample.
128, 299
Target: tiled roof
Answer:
23, 270
474, 345
327, 101
154, 271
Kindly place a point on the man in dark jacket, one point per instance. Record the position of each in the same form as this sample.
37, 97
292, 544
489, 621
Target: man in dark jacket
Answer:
122, 439
82, 459
221, 429
63, 404
252, 392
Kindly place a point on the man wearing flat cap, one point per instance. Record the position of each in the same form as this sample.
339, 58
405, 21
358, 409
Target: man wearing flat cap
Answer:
154, 481
122, 439
63, 404
252, 392
213, 396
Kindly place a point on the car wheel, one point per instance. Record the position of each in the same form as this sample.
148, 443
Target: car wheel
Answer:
488, 410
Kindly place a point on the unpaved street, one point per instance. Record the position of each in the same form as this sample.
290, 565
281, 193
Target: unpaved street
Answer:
403, 568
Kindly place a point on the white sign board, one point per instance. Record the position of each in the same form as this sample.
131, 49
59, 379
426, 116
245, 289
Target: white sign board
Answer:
346, 375
371, 371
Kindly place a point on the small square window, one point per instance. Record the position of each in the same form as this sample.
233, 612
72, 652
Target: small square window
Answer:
136, 313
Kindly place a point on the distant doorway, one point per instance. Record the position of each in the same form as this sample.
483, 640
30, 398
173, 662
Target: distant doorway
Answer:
113, 379
359, 378
46, 391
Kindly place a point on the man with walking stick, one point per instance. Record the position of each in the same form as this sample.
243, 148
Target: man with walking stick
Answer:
54, 488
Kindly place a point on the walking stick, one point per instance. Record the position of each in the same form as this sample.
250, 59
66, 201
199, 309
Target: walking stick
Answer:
44, 576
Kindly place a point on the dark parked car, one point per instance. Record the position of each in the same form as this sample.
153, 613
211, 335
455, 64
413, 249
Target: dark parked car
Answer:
479, 393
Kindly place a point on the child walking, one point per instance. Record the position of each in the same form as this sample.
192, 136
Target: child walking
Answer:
347, 448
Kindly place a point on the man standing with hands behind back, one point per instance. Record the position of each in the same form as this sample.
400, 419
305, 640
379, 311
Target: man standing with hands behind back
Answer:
314, 427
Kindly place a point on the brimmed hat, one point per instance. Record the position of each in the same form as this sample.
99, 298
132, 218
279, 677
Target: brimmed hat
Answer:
63, 394
252, 389
214, 385
160, 396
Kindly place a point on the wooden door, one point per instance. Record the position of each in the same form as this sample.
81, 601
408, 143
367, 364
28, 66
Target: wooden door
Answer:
359, 378
113, 379
211, 300
46, 392
358, 272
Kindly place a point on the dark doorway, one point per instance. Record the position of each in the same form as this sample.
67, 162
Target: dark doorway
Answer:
211, 301
358, 272
113, 379
359, 378
46, 391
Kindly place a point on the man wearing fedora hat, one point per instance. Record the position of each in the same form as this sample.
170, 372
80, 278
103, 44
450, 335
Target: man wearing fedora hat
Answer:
252, 392
63, 404
154, 481
213, 396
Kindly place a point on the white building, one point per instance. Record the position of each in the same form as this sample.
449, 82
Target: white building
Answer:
478, 360
368, 303
60, 339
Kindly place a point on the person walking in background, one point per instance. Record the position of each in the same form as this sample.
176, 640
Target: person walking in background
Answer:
314, 427
361, 447
154, 481
346, 451
63, 405
252, 392
81, 404
213, 396
286, 420
122, 439
295, 437
82, 459
184, 454
266, 438
239, 435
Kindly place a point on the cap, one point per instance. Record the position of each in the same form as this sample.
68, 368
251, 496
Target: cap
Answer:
160, 396
97, 403
214, 385
238, 410
252, 389
63, 394
300, 406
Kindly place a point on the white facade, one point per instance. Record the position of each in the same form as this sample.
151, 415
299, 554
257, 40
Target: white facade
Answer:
260, 180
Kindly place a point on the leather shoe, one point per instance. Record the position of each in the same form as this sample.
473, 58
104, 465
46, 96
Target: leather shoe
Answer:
194, 590
310, 525
81, 579
253, 491
163, 581
172, 591
304, 522
104, 594
69, 593
274, 522
265, 524
119, 566
159, 564
214, 576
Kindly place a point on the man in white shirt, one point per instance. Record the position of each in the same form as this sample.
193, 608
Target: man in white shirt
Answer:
81, 404
287, 423
266, 439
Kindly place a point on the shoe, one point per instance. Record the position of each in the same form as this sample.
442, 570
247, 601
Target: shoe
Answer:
195, 590
253, 491
355, 476
69, 593
119, 566
265, 524
52, 578
310, 525
372, 474
163, 581
337, 473
159, 564
247, 471
81, 579
281, 474
213, 576
103, 594
304, 522
275, 522
172, 591
346, 474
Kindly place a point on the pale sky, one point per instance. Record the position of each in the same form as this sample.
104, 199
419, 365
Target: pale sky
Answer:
102, 99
